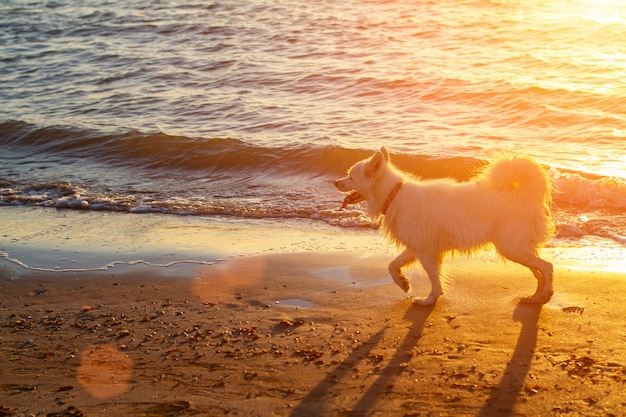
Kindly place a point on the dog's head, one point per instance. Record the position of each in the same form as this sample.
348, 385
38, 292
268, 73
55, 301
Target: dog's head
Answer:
362, 177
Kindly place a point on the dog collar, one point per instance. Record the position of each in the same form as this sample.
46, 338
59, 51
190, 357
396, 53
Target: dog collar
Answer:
391, 196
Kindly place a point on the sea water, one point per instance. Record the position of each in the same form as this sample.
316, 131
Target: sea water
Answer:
250, 109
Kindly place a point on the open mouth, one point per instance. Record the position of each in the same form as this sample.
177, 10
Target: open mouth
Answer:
352, 198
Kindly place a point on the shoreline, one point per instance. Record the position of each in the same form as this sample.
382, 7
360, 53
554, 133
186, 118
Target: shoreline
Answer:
293, 332
52, 240
74, 241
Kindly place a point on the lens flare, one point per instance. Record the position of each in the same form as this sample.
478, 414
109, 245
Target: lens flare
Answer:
223, 283
105, 371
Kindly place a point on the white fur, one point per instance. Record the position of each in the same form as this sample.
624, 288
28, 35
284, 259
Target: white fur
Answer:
506, 204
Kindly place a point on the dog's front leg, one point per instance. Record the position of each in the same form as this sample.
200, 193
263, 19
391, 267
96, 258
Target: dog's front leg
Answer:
431, 262
395, 269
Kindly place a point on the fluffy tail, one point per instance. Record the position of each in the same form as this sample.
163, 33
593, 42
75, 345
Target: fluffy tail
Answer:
522, 179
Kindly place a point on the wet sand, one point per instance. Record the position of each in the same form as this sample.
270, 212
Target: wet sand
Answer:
309, 334
313, 334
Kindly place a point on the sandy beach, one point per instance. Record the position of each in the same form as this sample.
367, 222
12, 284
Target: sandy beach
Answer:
172, 237
293, 330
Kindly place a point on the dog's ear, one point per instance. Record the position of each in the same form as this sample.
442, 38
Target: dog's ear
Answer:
385, 153
375, 164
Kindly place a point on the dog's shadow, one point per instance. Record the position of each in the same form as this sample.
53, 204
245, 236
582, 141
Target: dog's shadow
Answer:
504, 396
313, 403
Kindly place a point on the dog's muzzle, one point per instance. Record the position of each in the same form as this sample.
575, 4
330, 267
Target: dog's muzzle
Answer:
352, 197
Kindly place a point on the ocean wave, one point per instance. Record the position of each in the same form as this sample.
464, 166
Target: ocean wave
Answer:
143, 173
160, 151
574, 219
209, 156
589, 192
228, 204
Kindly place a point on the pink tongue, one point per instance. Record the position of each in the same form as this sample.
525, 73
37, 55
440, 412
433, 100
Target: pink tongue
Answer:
349, 199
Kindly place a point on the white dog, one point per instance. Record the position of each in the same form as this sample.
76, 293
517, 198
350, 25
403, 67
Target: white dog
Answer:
506, 204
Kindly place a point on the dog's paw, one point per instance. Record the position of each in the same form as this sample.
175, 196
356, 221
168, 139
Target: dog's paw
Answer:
428, 301
403, 282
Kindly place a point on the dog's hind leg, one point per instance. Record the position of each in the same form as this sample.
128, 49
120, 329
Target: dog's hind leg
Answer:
542, 270
395, 269
432, 265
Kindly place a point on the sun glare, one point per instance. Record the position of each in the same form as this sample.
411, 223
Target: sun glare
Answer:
603, 11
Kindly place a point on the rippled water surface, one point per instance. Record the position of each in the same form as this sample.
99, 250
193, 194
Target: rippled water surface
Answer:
251, 108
